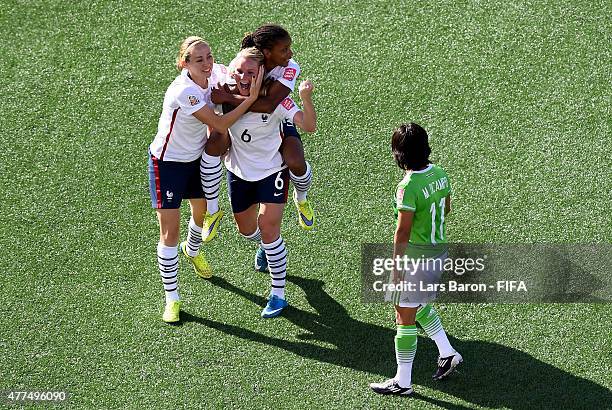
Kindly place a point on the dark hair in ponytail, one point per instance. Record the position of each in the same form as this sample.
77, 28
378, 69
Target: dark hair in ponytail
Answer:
247, 41
265, 37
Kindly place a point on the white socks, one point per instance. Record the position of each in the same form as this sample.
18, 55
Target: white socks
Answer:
210, 176
276, 253
302, 183
194, 238
167, 260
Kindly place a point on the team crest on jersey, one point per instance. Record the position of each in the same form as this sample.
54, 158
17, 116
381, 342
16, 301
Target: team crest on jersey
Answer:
289, 74
193, 100
264, 117
288, 103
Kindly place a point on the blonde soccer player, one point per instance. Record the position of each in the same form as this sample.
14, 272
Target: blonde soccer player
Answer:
281, 75
257, 176
174, 161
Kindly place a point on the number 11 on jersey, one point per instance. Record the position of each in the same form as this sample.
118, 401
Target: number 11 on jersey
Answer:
434, 228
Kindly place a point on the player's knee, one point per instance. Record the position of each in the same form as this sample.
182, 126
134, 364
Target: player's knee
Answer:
295, 161
270, 230
217, 145
297, 165
246, 231
169, 238
405, 316
246, 227
292, 152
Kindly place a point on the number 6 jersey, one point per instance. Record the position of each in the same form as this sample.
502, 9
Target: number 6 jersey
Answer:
256, 138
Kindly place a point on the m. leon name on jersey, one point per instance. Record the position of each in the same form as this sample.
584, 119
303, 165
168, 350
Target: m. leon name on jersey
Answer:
435, 186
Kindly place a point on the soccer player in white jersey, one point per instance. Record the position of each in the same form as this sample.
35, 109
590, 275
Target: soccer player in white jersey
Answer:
281, 74
174, 159
257, 176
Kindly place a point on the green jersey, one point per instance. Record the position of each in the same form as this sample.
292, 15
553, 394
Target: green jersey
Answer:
424, 192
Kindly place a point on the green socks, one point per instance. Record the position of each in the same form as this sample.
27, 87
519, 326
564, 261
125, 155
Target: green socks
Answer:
405, 350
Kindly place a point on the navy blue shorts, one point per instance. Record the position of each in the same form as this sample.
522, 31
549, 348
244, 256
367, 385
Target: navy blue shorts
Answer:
289, 130
170, 182
272, 190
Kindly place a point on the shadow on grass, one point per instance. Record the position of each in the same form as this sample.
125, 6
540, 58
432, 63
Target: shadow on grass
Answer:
492, 375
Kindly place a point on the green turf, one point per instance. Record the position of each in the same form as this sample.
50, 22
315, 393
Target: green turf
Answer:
515, 95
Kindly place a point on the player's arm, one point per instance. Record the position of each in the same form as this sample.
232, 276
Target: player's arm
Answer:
402, 232
307, 118
267, 103
402, 236
223, 122
447, 205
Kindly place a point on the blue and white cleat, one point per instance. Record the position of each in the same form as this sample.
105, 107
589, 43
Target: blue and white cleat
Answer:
274, 307
261, 261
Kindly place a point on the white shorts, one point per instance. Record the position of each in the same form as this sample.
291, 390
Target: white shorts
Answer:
418, 283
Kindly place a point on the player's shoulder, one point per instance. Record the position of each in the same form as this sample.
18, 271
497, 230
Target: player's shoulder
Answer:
403, 184
186, 96
191, 96
293, 64
180, 91
220, 73
292, 70
289, 72
184, 86
414, 179
438, 170
176, 85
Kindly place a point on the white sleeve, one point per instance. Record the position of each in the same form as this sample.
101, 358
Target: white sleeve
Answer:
190, 100
220, 74
289, 75
288, 108
218, 109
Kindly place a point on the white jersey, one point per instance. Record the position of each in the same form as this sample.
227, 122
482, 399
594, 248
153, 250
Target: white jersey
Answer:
181, 136
286, 75
256, 138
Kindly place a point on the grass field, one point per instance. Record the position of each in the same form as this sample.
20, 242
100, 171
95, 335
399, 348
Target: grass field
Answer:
515, 96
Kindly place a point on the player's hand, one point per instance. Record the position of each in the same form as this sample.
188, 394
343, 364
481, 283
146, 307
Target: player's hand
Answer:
265, 87
305, 89
218, 95
256, 85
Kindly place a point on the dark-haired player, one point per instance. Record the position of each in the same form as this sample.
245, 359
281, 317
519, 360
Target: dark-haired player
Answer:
422, 200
